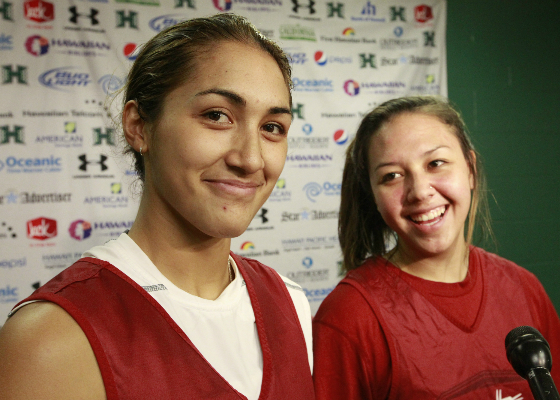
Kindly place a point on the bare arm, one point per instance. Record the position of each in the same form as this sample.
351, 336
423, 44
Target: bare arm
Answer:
44, 355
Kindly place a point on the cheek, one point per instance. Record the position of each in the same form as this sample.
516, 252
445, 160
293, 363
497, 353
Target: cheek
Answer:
388, 201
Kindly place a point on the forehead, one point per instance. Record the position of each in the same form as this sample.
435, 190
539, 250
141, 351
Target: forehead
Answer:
411, 134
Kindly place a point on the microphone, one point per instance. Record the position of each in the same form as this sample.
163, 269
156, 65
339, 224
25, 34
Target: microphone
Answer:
528, 353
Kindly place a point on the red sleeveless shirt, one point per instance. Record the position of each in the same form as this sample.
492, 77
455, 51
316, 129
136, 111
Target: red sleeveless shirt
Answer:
142, 353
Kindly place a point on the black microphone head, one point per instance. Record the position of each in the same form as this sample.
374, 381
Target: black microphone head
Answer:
527, 349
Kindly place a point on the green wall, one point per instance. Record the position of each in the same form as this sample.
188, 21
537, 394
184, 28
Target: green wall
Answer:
504, 75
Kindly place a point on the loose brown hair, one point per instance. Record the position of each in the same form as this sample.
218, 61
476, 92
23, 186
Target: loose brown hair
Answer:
169, 59
362, 231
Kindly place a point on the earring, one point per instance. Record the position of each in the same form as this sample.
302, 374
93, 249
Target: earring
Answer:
141, 155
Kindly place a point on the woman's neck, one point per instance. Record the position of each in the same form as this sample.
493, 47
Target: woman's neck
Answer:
192, 261
450, 267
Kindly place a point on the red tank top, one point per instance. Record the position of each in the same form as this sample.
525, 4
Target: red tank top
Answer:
431, 357
143, 354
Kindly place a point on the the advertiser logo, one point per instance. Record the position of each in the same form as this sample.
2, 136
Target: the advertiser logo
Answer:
9, 294
313, 85
353, 88
110, 83
65, 79
297, 32
13, 164
80, 229
13, 263
309, 243
165, 21
13, 197
308, 215
323, 59
423, 13
41, 228
298, 58
308, 160
38, 11
313, 190
37, 45
280, 192
423, 60
368, 13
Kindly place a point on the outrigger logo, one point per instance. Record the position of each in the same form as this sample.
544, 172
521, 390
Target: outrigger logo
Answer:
222, 5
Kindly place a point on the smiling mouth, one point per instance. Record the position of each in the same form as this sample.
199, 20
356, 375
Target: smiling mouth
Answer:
429, 218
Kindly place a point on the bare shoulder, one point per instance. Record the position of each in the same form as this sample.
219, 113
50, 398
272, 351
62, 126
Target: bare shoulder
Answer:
44, 354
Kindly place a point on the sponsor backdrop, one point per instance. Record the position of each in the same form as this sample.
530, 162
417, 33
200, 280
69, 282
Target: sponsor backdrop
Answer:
64, 187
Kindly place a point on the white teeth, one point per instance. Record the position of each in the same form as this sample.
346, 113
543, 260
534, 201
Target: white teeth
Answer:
429, 215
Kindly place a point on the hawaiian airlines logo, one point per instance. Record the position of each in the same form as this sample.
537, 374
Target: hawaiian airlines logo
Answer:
41, 228
351, 87
499, 396
38, 10
423, 13
222, 5
80, 229
340, 137
247, 246
37, 45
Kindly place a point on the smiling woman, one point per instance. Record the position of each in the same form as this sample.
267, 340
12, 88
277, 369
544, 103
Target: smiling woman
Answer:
166, 310
422, 313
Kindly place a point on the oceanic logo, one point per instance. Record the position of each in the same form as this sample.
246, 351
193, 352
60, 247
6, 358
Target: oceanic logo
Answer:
307, 262
80, 229
165, 21
351, 87
110, 83
222, 5
63, 78
314, 189
130, 52
41, 228
38, 10
349, 32
247, 246
37, 45
340, 137
320, 58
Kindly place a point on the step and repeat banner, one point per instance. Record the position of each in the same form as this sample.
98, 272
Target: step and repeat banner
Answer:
64, 185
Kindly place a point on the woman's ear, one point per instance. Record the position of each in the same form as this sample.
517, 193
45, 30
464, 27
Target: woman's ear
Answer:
133, 127
473, 169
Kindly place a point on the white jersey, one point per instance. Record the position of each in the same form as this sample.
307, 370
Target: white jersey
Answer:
223, 330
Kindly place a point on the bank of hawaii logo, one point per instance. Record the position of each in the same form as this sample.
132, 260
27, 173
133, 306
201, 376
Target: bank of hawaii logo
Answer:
247, 246
340, 136
37, 45
349, 32
222, 5
351, 87
80, 229
320, 58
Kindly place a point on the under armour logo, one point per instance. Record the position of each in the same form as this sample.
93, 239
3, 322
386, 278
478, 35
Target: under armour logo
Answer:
85, 162
75, 15
297, 6
262, 215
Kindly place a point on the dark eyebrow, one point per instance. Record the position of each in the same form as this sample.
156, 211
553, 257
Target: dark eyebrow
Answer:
237, 99
426, 153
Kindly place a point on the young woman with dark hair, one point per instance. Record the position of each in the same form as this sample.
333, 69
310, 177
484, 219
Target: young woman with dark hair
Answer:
422, 313
166, 310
